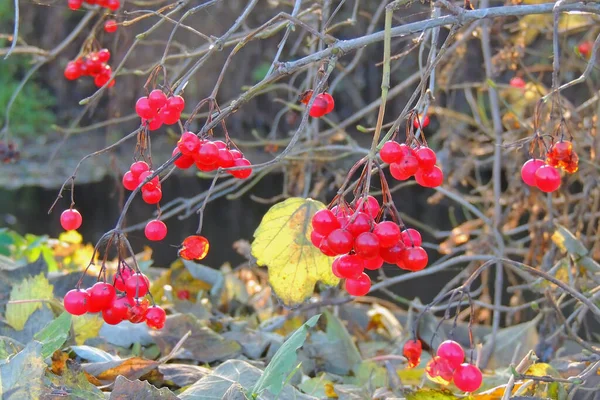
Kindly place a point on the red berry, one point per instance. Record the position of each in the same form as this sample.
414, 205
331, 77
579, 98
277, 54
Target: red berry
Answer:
392, 255
183, 162
130, 182
176, 103
155, 230
121, 277
426, 158
143, 108
138, 168
517, 82
70, 219
329, 100
405, 168
467, 377
371, 207
244, 172
563, 150
188, 144
529, 169
137, 312
324, 222
316, 238
391, 152
101, 296
388, 233
76, 301
411, 237
208, 153
169, 116
157, 99
111, 316
74, 4
424, 121
359, 286
359, 223
110, 26
340, 241
220, 144
156, 317
334, 268
366, 245
236, 154
225, 160
137, 285
439, 368
452, 352
183, 294
585, 48
113, 5
104, 77
153, 124
152, 195
412, 350
431, 178
72, 71
319, 107
153, 184
120, 307
325, 249
547, 178
103, 55
194, 248
414, 258
374, 263
350, 266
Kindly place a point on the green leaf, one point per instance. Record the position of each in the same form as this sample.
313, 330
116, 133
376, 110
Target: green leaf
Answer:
284, 361
54, 335
336, 331
35, 288
21, 376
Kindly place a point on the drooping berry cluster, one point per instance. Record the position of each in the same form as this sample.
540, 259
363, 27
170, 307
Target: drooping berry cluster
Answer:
194, 247
448, 366
544, 174
412, 350
138, 172
157, 109
9, 152
360, 242
130, 305
208, 155
112, 5
94, 64
406, 162
323, 104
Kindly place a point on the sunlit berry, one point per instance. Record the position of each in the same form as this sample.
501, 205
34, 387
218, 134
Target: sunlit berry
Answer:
529, 169
547, 178
388, 233
359, 286
467, 377
75, 302
155, 230
452, 352
70, 219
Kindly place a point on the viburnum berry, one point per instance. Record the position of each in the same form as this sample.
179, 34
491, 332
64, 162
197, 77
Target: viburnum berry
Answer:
423, 119
72, 71
137, 312
119, 310
155, 230
334, 268
103, 55
405, 168
244, 172
319, 107
189, 144
452, 352
529, 169
340, 241
585, 48
183, 294
157, 99
324, 222
74, 4
207, 154
152, 195
101, 296
393, 254
176, 103
350, 266
143, 108
414, 258
111, 317
373, 264
411, 237
122, 275
76, 302
316, 238
113, 5
359, 223
153, 124
426, 158
183, 162
562, 150
138, 168
366, 245
137, 285
359, 286
370, 206
391, 152
70, 219
156, 317
110, 26
439, 370
169, 116
430, 178
412, 350
517, 82
236, 154
388, 233
547, 178
225, 159
194, 248
467, 377
325, 249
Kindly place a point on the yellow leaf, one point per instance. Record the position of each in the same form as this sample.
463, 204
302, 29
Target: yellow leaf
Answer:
542, 369
411, 377
86, 326
33, 288
330, 391
73, 237
496, 393
282, 243
428, 394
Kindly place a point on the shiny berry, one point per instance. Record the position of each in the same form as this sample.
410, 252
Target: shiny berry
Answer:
151, 195
103, 55
316, 238
176, 103
426, 158
189, 144
183, 162
156, 317
111, 316
113, 5
157, 98
207, 154
388, 233
452, 352
138, 168
411, 237
412, 350
334, 268
414, 258
359, 286
74, 4
439, 370
319, 107
143, 108
529, 169
340, 241
391, 152
405, 168
467, 377
194, 248
244, 172
130, 182
137, 312
121, 277
72, 71
76, 301
324, 222
329, 100
155, 230
101, 296
430, 178
169, 116
373, 264
393, 254
370, 207
585, 48
359, 223
70, 219
137, 285
424, 121
547, 178
366, 245
325, 249
226, 159
350, 266
517, 82
563, 150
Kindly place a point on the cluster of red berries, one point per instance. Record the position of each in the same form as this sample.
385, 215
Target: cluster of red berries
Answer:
353, 234
157, 109
110, 26
406, 162
138, 172
129, 306
447, 365
95, 64
209, 155
112, 5
323, 104
544, 174
8, 152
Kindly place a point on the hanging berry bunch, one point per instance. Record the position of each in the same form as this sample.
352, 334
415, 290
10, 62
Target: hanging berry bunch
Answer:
448, 366
112, 5
95, 65
157, 109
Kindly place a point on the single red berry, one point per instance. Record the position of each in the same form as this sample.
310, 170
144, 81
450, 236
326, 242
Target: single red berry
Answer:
424, 121
359, 223
113, 5
110, 26
121, 277
325, 249
340, 241
155, 230
143, 108
137, 285
366, 245
585, 48
138, 168
359, 286
412, 350
169, 116
244, 172
74, 4
152, 195
324, 222
431, 178
411, 237
393, 254
111, 316
517, 82
414, 258
316, 238
183, 294
404, 169
220, 144
130, 182
176, 103
72, 71
371, 206
391, 152
76, 302
329, 100
183, 162
467, 377
120, 307
157, 99
207, 154
319, 107
156, 317
439, 368
137, 312
188, 144
334, 268
205, 168
388, 233
529, 169
153, 124
103, 55
226, 159
236, 154
70, 219
547, 178
350, 266
452, 352
373, 264
426, 158
194, 248
101, 296
104, 77
563, 150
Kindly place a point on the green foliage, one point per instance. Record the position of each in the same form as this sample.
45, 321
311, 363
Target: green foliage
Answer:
26, 248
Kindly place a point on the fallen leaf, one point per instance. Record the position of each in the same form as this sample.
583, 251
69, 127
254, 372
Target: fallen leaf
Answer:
182, 374
93, 354
34, 288
87, 326
54, 335
21, 376
124, 389
74, 382
282, 243
131, 368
